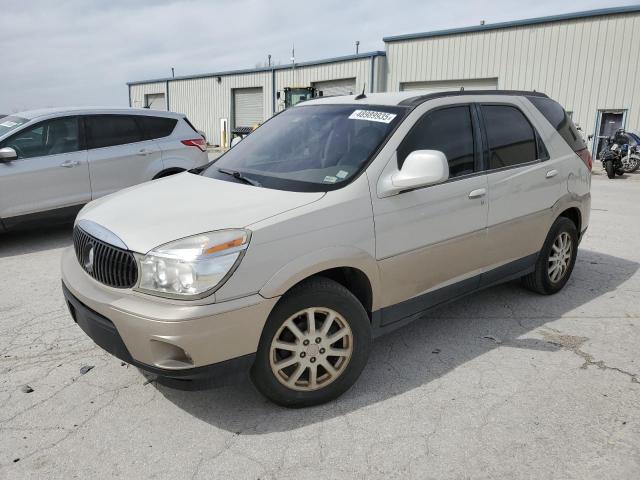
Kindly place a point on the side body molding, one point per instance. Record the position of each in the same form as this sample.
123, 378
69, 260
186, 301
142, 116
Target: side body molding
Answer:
324, 259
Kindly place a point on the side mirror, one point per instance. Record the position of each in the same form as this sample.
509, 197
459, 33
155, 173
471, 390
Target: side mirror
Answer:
420, 169
235, 141
7, 154
589, 137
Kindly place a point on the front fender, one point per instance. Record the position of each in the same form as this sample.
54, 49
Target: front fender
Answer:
312, 263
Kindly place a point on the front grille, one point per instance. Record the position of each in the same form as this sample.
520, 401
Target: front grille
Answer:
110, 265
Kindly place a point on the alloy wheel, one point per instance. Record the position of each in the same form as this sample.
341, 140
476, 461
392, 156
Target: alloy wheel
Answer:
560, 257
311, 349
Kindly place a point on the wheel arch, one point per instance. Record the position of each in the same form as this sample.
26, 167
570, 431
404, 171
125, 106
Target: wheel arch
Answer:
573, 214
352, 268
168, 171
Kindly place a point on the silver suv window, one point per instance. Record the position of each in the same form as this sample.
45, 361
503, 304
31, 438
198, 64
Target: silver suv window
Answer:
51, 137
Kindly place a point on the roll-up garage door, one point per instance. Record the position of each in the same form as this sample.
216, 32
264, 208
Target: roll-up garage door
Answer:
343, 86
248, 106
155, 101
440, 86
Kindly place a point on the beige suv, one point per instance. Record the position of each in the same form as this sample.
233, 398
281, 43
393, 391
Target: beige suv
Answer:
337, 220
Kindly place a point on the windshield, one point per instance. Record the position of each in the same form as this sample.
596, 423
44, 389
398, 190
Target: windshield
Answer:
309, 148
10, 123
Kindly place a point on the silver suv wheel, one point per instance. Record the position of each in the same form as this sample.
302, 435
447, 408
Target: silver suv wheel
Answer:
560, 257
311, 349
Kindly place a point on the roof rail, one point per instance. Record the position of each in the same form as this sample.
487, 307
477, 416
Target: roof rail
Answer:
418, 99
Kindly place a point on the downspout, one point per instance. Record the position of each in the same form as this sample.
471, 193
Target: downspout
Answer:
373, 63
166, 89
273, 91
128, 85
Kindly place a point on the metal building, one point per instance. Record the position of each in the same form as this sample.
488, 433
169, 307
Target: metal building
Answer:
225, 101
588, 61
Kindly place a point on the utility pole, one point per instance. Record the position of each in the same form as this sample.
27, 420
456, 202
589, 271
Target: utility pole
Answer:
357, 46
269, 60
173, 73
293, 64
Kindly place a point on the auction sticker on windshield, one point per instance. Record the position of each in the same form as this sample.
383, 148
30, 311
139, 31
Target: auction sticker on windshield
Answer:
372, 116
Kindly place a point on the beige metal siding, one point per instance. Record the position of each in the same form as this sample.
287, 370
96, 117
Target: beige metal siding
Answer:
585, 64
138, 92
205, 100
342, 86
446, 85
305, 76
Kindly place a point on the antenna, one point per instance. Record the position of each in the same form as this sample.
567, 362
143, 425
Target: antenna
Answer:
362, 95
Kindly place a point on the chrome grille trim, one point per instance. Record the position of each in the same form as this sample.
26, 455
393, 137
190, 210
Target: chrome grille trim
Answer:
108, 264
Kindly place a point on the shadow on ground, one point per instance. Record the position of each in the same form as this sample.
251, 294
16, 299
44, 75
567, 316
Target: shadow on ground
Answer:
421, 352
35, 240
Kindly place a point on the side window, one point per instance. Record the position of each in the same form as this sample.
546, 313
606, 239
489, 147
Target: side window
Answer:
157, 127
449, 130
51, 137
110, 130
510, 136
560, 120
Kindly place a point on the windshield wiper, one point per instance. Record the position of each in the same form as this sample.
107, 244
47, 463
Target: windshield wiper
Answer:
239, 176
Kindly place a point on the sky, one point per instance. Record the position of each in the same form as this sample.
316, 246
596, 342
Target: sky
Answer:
82, 52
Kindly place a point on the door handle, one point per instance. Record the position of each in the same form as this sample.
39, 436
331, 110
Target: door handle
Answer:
143, 152
480, 192
70, 163
552, 173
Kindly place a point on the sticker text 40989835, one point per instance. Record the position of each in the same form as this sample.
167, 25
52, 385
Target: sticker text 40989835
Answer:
372, 116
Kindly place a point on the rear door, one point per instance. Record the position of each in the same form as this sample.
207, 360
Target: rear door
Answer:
50, 172
524, 184
120, 155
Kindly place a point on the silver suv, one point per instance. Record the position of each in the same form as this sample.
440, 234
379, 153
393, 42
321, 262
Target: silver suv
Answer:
337, 220
54, 161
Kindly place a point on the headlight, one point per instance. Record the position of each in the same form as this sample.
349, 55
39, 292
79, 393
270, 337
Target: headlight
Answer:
192, 266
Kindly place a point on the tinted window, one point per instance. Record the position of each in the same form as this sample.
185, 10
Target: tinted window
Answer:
560, 120
510, 136
449, 130
51, 137
110, 130
157, 127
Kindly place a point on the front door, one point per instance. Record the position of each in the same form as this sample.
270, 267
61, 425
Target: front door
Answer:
430, 241
608, 122
51, 170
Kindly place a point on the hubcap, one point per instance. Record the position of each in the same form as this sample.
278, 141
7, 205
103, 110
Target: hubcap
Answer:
311, 349
560, 257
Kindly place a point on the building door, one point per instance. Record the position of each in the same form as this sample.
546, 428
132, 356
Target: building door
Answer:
447, 85
155, 101
608, 122
248, 107
343, 86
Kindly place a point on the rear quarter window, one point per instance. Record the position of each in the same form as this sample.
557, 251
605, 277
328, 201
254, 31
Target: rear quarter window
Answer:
157, 127
560, 120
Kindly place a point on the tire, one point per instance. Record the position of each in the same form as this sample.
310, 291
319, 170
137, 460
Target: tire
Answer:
631, 165
293, 385
608, 166
542, 280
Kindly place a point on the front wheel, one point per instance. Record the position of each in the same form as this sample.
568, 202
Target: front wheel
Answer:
556, 259
314, 345
610, 169
630, 163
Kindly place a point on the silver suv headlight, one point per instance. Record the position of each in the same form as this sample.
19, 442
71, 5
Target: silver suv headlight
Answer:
192, 267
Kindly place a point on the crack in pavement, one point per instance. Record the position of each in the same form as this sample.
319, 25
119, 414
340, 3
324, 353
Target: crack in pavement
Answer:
573, 344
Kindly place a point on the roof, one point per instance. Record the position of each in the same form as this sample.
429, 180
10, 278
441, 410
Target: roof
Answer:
31, 114
411, 98
516, 23
345, 58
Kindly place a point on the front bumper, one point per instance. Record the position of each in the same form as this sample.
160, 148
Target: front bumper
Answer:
171, 338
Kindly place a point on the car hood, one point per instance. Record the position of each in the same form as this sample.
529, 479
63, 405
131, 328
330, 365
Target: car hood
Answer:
157, 212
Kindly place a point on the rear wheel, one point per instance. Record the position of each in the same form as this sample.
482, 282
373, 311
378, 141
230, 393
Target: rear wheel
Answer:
314, 345
556, 259
630, 163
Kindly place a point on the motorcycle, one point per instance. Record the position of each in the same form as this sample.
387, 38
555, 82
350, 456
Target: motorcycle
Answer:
630, 157
611, 156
